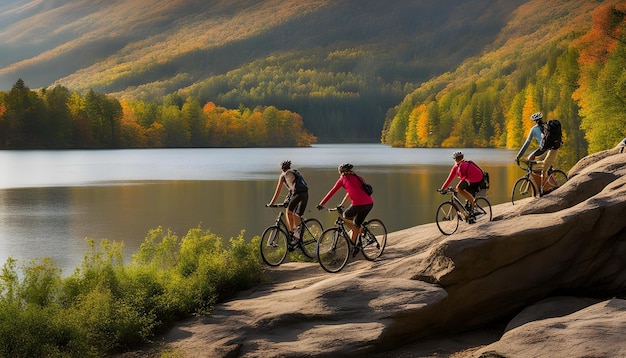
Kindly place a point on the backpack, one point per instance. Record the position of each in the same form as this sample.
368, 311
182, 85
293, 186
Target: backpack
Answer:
553, 135
484, 184
367, 188
300, 185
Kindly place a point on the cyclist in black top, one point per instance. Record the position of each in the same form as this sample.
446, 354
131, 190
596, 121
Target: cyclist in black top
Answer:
298, 195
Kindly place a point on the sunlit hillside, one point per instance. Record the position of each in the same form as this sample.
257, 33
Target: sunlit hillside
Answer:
563, 58
340, 64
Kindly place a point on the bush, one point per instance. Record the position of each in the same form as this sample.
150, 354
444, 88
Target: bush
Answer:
107, 306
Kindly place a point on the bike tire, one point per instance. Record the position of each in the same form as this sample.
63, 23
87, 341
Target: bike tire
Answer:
447, 218
374, 240
333, 250
522, 189
274, 245
311, 232
482, 210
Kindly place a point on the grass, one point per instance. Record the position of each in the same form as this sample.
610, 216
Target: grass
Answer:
107, 306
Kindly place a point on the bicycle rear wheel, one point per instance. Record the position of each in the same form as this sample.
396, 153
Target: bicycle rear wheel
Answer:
522, 189
333, 250
447, 218
310, 234
482, 210
374, 239
558, 178
274, 245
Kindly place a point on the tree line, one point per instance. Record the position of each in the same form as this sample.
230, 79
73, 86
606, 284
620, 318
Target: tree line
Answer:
578, 79
56, 118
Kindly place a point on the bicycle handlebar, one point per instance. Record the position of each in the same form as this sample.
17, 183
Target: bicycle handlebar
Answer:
527, 164
276, 205
338, 208
446, 190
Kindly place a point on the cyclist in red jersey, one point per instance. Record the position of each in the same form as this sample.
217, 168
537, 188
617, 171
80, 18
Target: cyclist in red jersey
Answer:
361, 202
470, 176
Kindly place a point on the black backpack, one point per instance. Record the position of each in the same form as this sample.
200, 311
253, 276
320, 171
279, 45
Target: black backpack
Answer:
552, 136
367, 188
300, 185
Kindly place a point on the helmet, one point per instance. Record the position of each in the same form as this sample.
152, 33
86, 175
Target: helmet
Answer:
345, 167
457, 155
285, 164
537, 116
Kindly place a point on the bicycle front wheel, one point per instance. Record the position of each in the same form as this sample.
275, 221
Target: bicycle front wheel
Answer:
274, 245
522, 189
482, 210
447, 218
310, 234
374, 239
333, 250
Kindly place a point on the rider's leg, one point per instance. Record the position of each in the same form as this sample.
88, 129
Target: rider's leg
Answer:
356, 216
356, 230
461, 188
296, 209
293, 220
549, 159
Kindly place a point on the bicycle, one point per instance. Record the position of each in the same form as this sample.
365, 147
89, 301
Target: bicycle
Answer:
526, 186
277, 241
450, 212
334, 245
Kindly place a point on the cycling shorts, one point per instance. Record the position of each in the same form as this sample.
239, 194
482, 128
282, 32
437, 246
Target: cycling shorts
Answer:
298, 202
470, 187
358, 213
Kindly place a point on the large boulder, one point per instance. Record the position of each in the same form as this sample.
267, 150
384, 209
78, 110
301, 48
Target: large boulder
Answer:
571, 242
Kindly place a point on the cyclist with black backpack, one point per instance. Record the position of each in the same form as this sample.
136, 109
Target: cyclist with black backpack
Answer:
536, 133
298, 195
551, 141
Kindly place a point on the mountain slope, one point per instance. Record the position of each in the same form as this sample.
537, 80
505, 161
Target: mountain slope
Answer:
563, 58
137, 51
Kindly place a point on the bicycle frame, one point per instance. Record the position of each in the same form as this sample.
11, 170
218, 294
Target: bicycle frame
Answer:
277, 240
542, 183
451, 211
335, 245
281, 222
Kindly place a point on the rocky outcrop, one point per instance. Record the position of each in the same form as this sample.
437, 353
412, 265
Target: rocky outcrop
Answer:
571, 242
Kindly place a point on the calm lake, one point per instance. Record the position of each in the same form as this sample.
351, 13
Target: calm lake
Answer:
50, 201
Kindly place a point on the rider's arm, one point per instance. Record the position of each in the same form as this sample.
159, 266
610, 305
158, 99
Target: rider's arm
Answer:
526, 144
332, 191
279, 186
450, 177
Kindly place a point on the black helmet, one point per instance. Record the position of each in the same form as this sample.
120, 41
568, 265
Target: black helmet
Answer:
457, 155
536, 116
345, 167
285, 165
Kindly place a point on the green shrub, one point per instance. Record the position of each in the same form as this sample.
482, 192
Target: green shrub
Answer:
106, 306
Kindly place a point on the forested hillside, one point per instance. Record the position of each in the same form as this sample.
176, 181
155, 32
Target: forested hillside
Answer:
452, 74
340, 64
564, 58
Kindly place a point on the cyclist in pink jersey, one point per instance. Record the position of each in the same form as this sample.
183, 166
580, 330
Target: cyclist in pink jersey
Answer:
361, 202
470, 176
